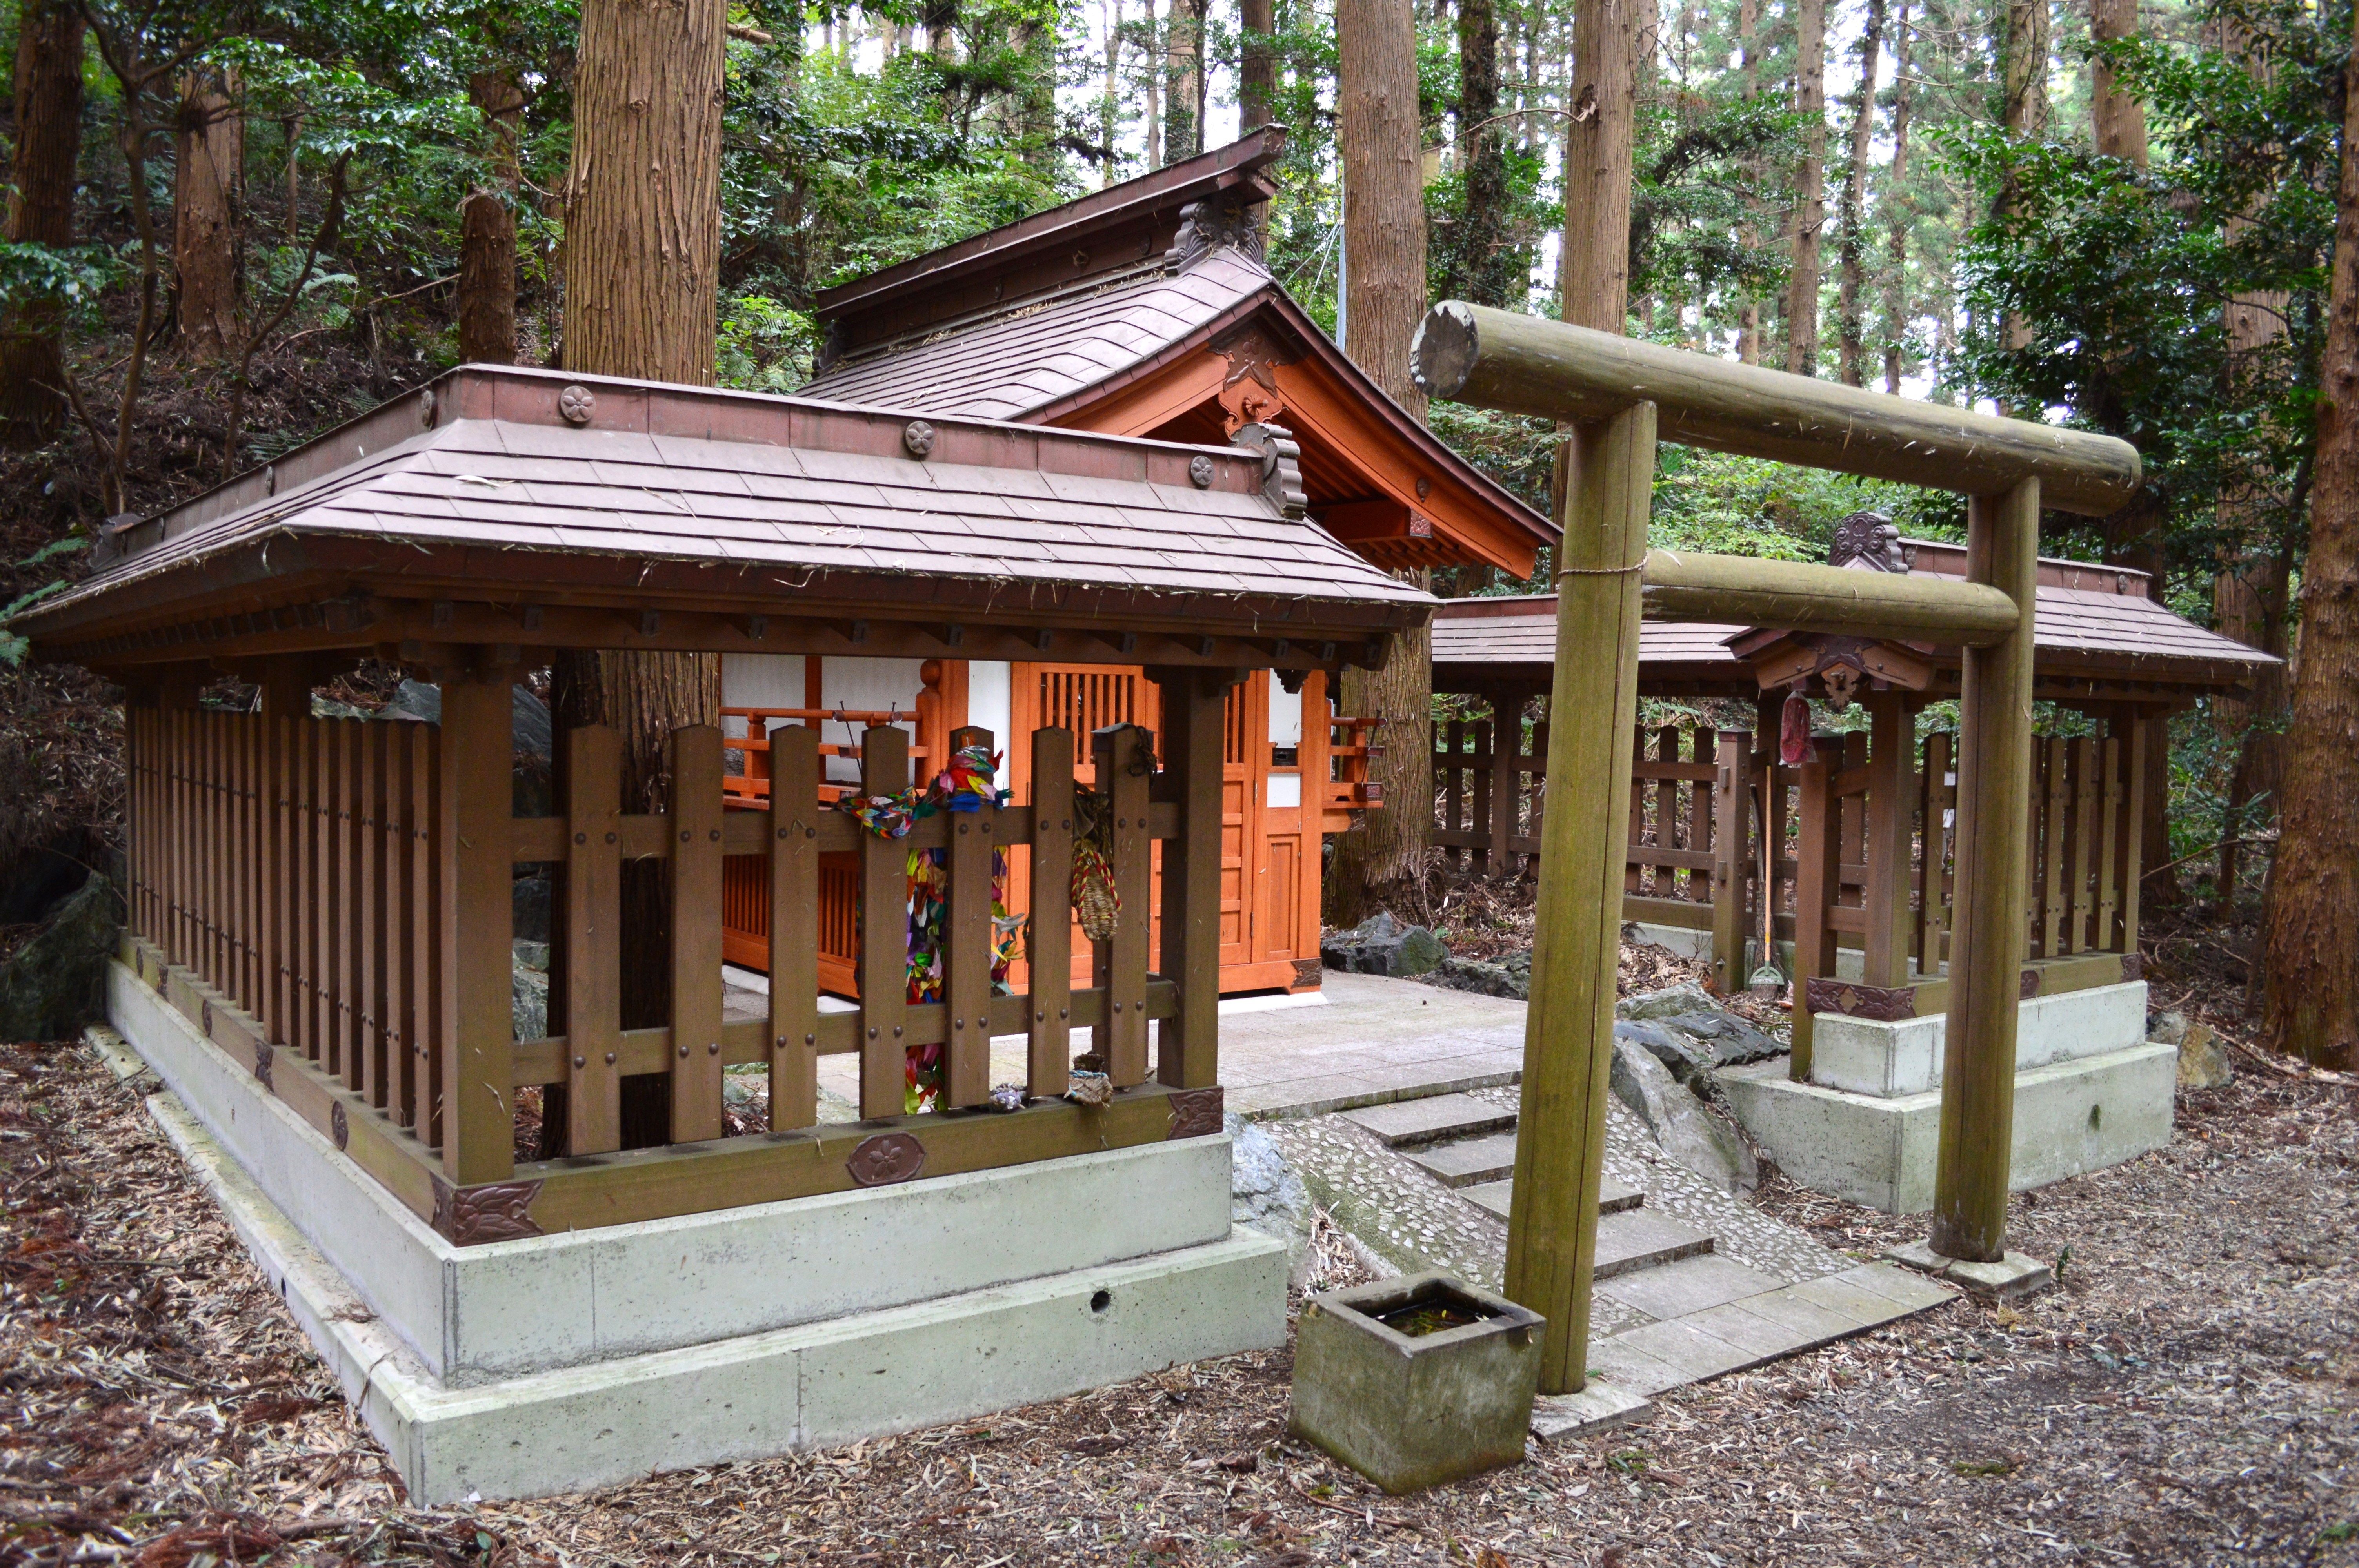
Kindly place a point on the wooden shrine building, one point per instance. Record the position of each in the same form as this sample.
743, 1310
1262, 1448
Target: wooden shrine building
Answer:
319, 960
1877, 882
1145, 309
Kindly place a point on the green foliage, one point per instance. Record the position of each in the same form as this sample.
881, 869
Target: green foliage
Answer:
1747, 506
62, 278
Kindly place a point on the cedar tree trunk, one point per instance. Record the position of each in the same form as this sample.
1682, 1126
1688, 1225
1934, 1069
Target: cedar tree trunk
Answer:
1809, 185
40, 211
1483, 267
2310, 966
208, 232
487, 237
1897, 210
2116, 120
1384, 269
1851, 326
642, 253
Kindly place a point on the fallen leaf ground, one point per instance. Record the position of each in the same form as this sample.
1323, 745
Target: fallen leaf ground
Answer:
2189, 1395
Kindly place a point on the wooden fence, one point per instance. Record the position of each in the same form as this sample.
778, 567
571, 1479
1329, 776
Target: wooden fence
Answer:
332, 899
1694, 856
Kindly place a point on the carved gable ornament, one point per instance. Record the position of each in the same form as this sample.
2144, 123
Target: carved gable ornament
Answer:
1208, 225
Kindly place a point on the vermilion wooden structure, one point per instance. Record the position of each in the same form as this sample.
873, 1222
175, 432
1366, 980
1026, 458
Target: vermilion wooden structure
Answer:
1877, 882
329, 899
1147, 310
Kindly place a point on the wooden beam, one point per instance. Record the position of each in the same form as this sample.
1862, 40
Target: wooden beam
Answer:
1523, 364
1970, 1181
593, 940
1569, 1028
1195, 706
1048, 949
478, 1129
1845, 600
794, 926
696, 876
884, 933
1890, 831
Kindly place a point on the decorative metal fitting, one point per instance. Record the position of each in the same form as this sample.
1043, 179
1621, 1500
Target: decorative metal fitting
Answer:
576, 403
1199, 471
919, 437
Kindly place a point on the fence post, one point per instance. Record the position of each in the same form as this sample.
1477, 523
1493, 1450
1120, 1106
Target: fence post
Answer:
478, 993
884, 934
1506, 783
1817, 881
696, 873
1124, 757
1188, 1043
1569, 1027
1891, 810
1049, 950
1986, 941
593, 940
1730, 861
794, 926
967, 939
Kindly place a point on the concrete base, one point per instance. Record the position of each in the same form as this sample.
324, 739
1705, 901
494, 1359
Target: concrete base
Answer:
862, 1376
2070, 1118
1685, 940
2016, 1274
558, 1362
1870, 1056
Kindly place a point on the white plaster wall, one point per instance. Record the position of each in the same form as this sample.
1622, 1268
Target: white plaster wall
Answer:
1285, 715
990, 703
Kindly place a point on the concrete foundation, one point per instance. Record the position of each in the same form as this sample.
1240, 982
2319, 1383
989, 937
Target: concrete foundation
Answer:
559, 1362
1870, 1056
2070, 1117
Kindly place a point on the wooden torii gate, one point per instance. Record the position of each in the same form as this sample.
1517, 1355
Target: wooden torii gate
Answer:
1618, 395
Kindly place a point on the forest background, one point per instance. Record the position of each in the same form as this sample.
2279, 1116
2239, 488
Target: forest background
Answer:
232, 224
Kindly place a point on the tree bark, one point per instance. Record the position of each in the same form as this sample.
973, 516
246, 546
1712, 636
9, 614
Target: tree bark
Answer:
1153, 50
1748, 310
488, 238
1809, 185
2116, 120
643, 247
1183, 83
208, 221
1851, 325
643, 203
1257, 70
1384, 274
1897, 210
2311, 973
1482, 267
2024, 83
40, 211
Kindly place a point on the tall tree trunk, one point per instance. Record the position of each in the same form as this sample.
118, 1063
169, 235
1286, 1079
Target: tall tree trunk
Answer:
1748, 309
2310, 969
487, 234
1481, 267
1110, 102
1153, 51
642, 253
2116, 119
1897, 210
1851, 326
2023, 84
1384, 273
40, 211
1183, 80
208, 220
1257, 68
1809, 185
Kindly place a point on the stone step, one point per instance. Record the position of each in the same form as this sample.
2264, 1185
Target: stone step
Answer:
1495, 1195
1471, 1163
1635, 1239
1408, 1122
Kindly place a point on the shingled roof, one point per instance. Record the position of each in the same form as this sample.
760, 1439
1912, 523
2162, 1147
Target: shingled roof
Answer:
2093, 623
1052, 320
520, 485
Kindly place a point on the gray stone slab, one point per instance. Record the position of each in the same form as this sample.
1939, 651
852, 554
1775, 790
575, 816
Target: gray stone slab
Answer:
1845, 1298
1906, 1287
1597, 1408
1465, 1165
1636, 1239
1431, 1118
1632, 1370
1787, 1328
1690, 1352
1497, 1196
1688, 1285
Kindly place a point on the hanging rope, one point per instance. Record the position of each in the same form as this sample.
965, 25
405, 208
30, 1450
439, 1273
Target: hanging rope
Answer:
1096, 900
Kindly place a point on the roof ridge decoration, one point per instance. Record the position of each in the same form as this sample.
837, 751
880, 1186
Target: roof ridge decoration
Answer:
1214, 222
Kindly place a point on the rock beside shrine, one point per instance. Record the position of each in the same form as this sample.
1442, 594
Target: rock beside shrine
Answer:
1509, 977
1381, 944
1266, 1195
1688, 1031
56, 984
2203, 1060
530, 994
1687, 1131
